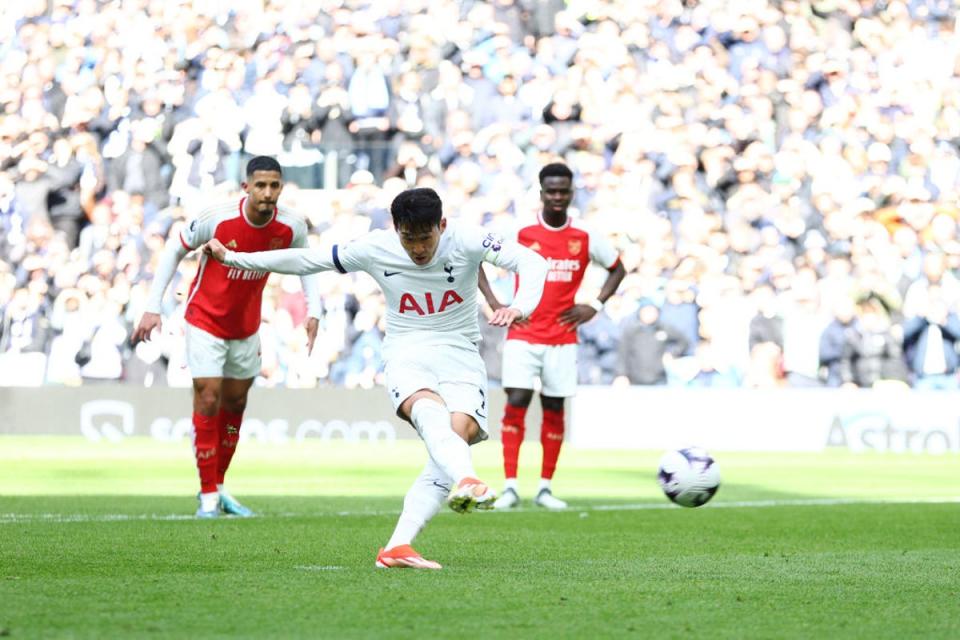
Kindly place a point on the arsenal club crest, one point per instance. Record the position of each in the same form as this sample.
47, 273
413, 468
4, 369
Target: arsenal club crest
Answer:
574, 246
276, 243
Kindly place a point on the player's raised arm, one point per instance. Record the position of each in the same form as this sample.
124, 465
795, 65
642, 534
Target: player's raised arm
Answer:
297, 262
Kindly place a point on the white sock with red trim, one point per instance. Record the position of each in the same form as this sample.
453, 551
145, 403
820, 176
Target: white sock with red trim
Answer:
422, 502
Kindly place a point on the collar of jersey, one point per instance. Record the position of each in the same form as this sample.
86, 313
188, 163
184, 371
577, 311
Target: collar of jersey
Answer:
543, 223
247, 220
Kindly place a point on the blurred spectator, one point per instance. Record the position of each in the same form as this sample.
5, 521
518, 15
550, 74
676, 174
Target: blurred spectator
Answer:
142, 168
930, 342
711, 371
681, 311
597, 355
874, 354
838, 338
63, 195
647, 345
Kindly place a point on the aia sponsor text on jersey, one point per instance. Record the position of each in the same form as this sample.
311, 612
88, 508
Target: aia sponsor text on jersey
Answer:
410, 304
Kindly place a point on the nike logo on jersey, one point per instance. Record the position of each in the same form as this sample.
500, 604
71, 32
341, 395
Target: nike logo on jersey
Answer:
387, 274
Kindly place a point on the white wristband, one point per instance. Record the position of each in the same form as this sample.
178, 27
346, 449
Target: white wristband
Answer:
596, 304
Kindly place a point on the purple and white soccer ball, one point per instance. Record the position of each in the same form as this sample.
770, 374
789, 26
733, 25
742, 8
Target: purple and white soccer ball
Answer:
689, 477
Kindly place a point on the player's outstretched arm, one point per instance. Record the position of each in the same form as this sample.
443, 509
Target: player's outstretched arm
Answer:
296, 262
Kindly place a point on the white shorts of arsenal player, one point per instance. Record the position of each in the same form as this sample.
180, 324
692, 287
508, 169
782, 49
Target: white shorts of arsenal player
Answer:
211, 357
554, 364
456, 373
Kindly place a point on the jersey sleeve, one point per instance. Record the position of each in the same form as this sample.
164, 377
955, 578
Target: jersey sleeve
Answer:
511, 255
198, 231
356, 255
310, 282
342, 258
298, 262
602, 251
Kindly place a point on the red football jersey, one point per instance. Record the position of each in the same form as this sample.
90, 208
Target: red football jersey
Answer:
226, 301
568, 250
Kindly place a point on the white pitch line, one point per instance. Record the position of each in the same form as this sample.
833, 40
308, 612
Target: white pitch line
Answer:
17, 518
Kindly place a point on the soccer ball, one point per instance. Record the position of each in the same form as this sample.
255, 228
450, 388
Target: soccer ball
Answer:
688, 476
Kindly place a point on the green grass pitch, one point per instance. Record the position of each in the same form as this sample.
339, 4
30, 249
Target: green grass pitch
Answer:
96, 542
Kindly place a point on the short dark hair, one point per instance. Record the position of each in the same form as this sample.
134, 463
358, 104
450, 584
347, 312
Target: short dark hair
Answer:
416, 209
555, 170
263, 163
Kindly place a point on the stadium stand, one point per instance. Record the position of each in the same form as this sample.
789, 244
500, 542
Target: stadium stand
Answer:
781, 177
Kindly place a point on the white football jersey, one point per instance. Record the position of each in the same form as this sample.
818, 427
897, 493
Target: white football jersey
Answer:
435, 303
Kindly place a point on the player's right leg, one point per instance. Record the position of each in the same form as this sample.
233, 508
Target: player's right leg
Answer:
471, 493
206, 355
447, 448
232, 405
511, 438
439, 390
206, 401
522, 365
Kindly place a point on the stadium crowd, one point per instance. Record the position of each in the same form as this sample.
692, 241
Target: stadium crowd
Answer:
781, 177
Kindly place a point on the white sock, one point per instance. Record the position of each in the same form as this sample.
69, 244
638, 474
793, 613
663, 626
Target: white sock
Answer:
510, 483
544, 484
210, 501
422, 502
446, 448
221, 490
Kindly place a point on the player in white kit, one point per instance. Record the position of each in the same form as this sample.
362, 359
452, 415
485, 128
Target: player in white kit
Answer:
428, 272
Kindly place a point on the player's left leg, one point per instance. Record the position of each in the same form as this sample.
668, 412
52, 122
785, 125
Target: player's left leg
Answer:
559, 379
233, 401
421, 503
551, 439
242, 365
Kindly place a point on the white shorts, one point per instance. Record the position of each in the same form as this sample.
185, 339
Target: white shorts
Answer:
456, 374
211, 357
554, 364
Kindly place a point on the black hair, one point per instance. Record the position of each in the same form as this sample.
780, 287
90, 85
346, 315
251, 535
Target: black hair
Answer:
555, 170
263, 163
416, 209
